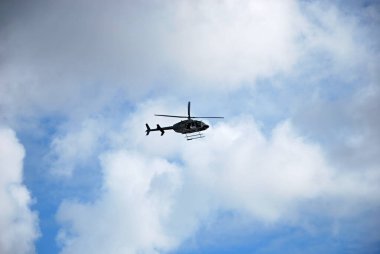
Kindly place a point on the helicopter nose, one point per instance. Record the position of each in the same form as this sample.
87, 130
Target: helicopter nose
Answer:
206, 126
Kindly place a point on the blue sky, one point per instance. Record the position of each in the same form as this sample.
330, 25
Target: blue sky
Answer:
294, 167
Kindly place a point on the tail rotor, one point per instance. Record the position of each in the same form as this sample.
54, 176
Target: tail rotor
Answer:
147, 129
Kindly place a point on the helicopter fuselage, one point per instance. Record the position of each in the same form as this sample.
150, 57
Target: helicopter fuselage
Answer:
189, 126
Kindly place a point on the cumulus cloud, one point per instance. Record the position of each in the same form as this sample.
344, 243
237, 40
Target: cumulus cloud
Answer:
80, 58
61, 51
151, 204
231, 43
18, 224
128, 218
76, 147
341, 113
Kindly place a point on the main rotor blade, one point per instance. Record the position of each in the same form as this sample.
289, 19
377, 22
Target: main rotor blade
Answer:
220, 117
188, 109
207, 117
172, 116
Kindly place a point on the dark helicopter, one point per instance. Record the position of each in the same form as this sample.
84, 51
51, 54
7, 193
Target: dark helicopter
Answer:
187, 127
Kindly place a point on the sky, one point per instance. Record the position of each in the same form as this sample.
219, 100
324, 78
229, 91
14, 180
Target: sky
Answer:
294, 166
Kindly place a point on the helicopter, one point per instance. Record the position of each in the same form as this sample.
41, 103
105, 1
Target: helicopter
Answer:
191, 128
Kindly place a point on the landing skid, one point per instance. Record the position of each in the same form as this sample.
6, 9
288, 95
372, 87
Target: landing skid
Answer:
192, 136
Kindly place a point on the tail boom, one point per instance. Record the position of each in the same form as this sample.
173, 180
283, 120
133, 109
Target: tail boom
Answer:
159, 128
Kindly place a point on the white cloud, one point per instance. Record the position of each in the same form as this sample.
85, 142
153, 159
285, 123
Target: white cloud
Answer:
149, 204
339, 39
264, 177
128, 218
229, 43
76, 147
74, 57
18, 224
